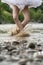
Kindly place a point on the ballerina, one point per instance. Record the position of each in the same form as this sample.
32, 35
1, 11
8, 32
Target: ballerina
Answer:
21, 5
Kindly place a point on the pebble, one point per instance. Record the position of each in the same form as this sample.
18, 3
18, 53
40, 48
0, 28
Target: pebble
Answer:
13, 52
32, 45
23, 61
10, 48
15, 43
7, 42
23, 41
2, 58
31, 50
38, 55
14, 58
38, 45
4, 52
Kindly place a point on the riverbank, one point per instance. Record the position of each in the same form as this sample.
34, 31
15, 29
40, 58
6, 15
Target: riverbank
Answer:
22, 50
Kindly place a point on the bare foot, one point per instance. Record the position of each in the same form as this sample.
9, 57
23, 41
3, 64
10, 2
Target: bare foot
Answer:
23, 34
14, 31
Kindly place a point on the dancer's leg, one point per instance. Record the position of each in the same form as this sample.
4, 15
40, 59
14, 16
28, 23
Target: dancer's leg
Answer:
15, 17
26, 16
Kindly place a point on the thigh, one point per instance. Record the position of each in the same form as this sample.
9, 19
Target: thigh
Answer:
26, 12
15, 11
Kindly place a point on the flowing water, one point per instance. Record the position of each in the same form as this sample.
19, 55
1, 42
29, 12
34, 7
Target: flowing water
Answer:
22, 50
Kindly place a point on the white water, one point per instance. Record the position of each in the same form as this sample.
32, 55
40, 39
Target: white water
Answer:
36, 35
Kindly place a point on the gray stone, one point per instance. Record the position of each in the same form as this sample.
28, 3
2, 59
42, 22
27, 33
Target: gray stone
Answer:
15, 43
32, 45
23, 62
2, 58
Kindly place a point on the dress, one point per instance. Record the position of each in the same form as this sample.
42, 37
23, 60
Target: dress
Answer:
22, 3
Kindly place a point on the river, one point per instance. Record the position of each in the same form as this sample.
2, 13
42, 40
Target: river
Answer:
27, 50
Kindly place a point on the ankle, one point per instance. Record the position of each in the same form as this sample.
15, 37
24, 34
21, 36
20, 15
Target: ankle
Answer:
24, 24
20, 27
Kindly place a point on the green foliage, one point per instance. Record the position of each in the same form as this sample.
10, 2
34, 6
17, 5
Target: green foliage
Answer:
36, 14
7, 16
21, 17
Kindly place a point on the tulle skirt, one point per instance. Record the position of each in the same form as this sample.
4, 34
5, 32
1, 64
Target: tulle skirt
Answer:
22, 3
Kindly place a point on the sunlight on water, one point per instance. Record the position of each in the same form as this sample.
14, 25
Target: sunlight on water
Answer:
16, 49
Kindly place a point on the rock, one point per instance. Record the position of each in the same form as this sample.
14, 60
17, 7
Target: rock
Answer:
9, 53
10, 48
7, 43
0, 48
30, 59
14, 58
28, 63
23, 41
31, 51
32, 45
38, 45
42, 52
22, 61
4, 52
2, 58
15, 43
31, 63
13, 52
39, 50
38, 55
3, 47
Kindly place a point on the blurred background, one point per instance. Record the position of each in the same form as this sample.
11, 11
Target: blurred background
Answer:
36, 14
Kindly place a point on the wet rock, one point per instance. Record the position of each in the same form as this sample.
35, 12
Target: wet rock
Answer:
23, 62
39, 50
30, 63
23, 41
38, 55
31, 59
15, 43
13, 52
4, 52
38, 45
10, 49
2, 58
7, 43
31, 51
13, 59
0, 48
32, 45
9, 53
3, 47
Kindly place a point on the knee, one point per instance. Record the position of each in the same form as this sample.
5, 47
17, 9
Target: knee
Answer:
15, 17
27, 18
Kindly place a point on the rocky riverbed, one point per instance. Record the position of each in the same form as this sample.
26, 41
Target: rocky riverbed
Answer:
22, 50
